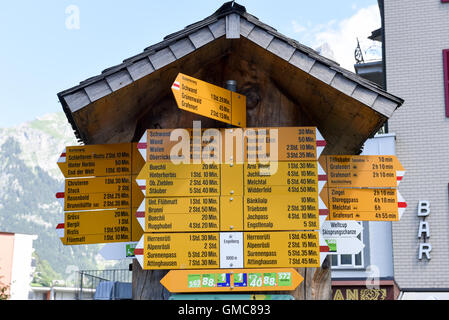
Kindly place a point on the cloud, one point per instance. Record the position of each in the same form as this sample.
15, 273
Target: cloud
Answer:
341, 36
297, 27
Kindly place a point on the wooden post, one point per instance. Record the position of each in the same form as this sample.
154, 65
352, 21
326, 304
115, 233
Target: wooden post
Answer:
146, 284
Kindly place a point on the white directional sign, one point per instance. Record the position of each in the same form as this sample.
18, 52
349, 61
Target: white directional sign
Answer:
344, 245
118, 250
341, 236
341, 229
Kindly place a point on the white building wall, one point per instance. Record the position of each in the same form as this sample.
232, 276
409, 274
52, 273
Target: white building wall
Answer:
415, 35
380, 232
22, 270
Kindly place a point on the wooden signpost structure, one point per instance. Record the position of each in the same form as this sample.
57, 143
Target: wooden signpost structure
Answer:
284, 84
236, 198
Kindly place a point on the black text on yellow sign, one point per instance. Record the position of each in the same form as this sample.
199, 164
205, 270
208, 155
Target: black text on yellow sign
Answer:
362, 204
208, 100
362, 171
101, 160
232, 213
177, 180
101, 193
202, 250
235, 145
102, 226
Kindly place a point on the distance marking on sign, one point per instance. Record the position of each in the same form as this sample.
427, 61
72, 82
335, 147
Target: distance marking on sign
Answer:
209, 100
101, 226
230, 213
362, 171
236, 145
292, 143
100, 193
282, 249
100, 160
363, 204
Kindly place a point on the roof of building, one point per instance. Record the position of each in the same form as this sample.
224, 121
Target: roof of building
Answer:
376, 35
230, 21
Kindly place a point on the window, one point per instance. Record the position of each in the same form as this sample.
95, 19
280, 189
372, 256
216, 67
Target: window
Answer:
346, 261
446, 78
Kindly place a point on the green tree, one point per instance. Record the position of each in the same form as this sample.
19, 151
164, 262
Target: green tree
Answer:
44, 273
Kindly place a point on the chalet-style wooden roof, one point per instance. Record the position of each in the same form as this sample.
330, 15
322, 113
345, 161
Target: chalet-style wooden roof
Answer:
228, 24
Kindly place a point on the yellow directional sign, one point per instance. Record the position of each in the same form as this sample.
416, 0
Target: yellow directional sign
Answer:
299, 249
236, 213
362, 204
101, 193
362, 171
102, 226
99, 184
208, 100
236, 145
292, 143
202, 250
281, 212
183, 187
159, 144
100, 160
181, 250
177, 180
182, 214
170, 171
232, 280
289, 177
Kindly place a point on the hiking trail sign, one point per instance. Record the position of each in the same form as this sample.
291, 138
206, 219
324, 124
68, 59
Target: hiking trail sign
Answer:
208, 100
231, 213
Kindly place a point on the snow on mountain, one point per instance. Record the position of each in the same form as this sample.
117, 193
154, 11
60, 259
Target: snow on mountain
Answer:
326, 51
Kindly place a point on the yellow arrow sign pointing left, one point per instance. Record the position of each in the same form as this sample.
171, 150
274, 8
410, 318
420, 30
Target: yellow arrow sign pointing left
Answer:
352, 171
101, 193
210, 101
102, 226
100, 160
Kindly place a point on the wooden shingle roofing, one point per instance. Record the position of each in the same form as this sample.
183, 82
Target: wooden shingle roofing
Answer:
230, 21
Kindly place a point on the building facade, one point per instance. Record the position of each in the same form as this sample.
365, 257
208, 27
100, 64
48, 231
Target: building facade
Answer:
415, 66
415, 37
16, 264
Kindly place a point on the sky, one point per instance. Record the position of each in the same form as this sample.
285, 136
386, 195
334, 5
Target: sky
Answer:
49, 46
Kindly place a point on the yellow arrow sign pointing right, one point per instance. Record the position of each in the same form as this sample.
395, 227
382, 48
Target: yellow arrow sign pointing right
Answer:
232, 280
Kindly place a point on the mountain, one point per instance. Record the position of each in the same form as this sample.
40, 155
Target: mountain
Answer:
41, 142
29, 180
